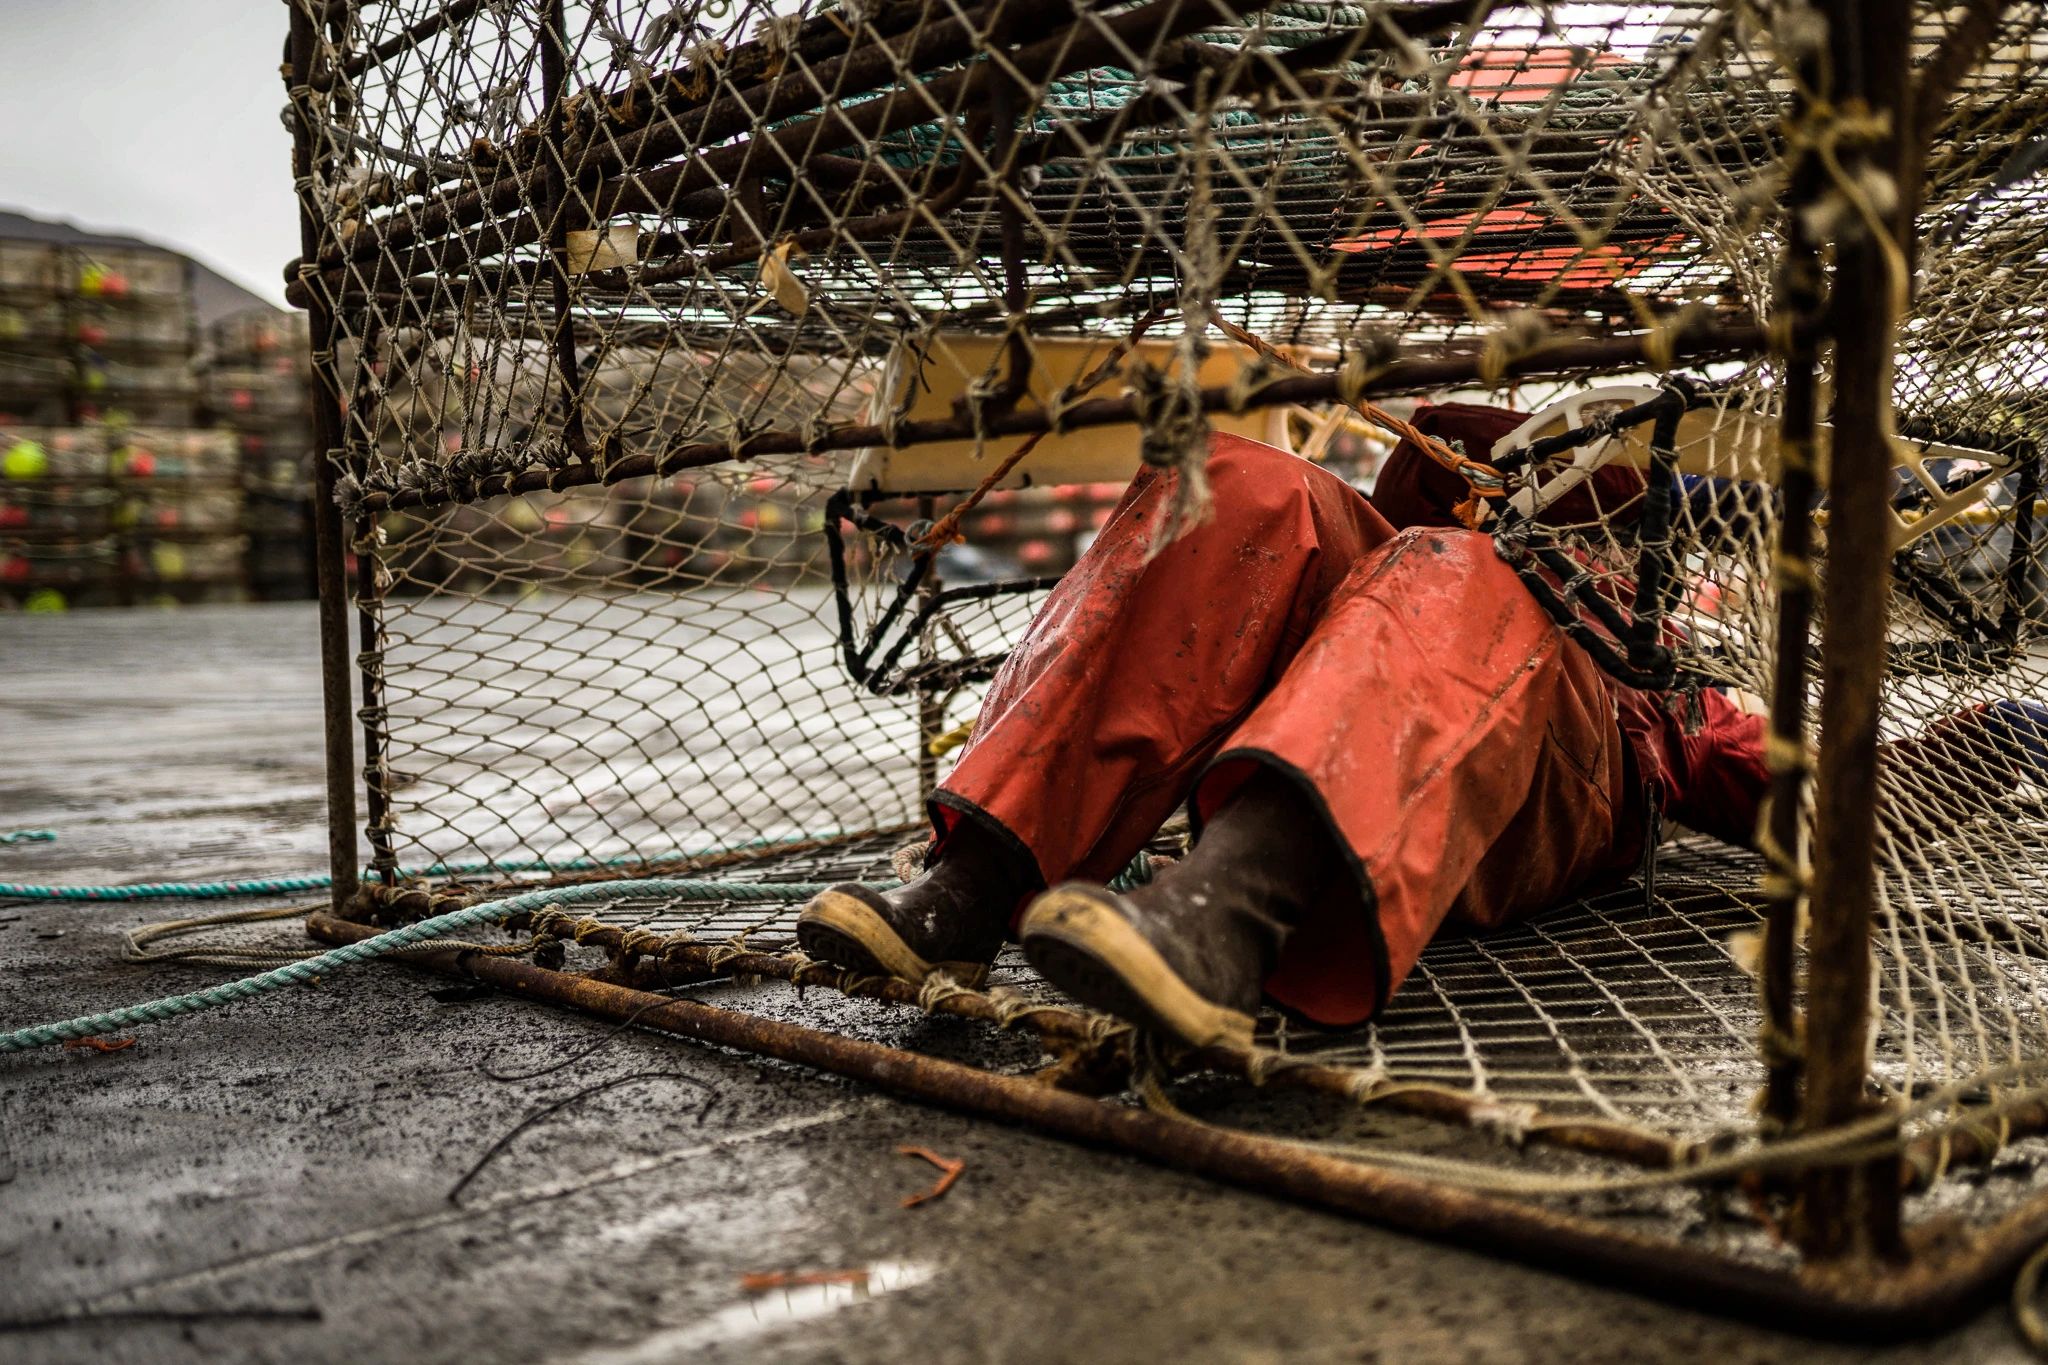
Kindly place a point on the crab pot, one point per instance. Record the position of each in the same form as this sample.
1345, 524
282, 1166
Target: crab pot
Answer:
644, 376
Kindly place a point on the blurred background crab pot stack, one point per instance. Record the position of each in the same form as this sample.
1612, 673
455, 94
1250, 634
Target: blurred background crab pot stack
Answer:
129, 313
179, 515
138, 466
254, 382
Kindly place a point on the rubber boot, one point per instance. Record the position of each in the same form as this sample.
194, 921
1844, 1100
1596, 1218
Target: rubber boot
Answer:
1185, 955
951, 918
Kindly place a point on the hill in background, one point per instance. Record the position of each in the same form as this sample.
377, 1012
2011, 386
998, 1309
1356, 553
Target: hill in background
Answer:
214, 295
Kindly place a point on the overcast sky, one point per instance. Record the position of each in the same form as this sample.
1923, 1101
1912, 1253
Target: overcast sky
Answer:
156, 117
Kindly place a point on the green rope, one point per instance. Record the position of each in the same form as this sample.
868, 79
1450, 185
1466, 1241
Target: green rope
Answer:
145, 891
1135, 875
299, 973
29, 836
320, 881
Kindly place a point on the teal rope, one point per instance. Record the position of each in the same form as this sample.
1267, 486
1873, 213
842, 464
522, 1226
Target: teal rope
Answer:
29, 836
1137, 874
293, 885
298, 973
146, 891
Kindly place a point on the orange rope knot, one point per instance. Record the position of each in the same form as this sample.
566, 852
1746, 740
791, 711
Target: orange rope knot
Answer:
950, 1174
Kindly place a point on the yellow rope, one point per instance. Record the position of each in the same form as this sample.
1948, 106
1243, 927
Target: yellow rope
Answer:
944, 744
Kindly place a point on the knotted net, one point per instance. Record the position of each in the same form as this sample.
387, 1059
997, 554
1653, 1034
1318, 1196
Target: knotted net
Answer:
658, 335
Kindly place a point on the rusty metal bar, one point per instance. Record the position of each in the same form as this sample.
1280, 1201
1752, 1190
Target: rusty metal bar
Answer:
642, 964
832, 58
1064, 1030
1923, 104
872, 65
1855, 1212
455, 256
454, 12
1934, 91
559, 189
369, 592
1685, 342
639, 964
1952, 1281
1009, 191
329, 547
1073, 48
1787, 883
1968, 1143
840, 124
663, 132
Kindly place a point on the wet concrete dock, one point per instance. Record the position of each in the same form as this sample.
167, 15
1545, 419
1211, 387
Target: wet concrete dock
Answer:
271, 1181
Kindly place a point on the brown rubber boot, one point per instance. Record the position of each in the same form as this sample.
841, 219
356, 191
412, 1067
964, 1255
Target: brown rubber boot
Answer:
1185, 955
952, 918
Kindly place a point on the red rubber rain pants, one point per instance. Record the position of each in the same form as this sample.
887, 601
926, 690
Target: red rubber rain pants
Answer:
1465, 754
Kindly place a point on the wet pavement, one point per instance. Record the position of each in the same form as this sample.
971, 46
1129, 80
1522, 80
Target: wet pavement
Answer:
271, 1181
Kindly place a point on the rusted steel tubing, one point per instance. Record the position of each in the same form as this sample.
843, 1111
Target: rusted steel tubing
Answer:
1016, 381
1145, 111
676, 961
1934, 90
1855, 1211
873, 64
871, 209
1071, 49
336, 698
1968, 1145
369, 593
746, 61
652, 192
1799, 291
1960, 52
422, 294
558, 193
869, 65
1688, 343
1879, 1307
455, 12
817, 40
966, 177
702, 961
1058, 1023
674, 125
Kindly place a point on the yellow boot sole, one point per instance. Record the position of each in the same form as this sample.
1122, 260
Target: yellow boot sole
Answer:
1078, 941
843, 929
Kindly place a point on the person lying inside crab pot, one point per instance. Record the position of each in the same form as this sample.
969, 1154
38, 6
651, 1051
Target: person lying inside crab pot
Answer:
1377, 732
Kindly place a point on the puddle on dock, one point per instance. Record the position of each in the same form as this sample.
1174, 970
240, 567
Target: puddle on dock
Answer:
765, 1310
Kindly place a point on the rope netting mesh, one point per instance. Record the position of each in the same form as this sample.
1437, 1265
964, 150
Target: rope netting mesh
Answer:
663, 332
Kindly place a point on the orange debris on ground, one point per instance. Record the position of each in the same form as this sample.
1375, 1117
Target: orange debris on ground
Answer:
99, 1044
949, 1174
761, 1281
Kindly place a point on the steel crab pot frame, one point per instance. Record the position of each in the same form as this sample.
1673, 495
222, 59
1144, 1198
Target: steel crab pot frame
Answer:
650, 371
